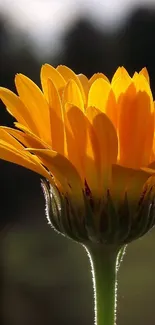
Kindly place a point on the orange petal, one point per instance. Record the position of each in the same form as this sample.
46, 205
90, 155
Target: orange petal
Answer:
77, 122
130, 181
112, 109
27, 139
84, 82
64, 171
120, 82
121, 72
73, 95
98, 94
49, 72
83, 149
32, 135
141, 84
102, 97
97, 76
56, 118
22, 158
33, 99
16, 108
5, 136
68, 74
92, 163
71, 151
144, 72
108, 142
136, 128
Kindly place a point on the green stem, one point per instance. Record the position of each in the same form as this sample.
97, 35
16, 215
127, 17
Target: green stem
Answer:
104, 270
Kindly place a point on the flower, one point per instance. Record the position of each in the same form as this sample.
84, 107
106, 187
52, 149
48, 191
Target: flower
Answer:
93, 141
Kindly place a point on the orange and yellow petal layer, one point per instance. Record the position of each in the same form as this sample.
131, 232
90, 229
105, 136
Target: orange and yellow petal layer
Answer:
82, 133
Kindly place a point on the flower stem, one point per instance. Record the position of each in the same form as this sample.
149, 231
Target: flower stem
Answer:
104, 270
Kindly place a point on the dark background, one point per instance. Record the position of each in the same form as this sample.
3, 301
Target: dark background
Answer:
45, 278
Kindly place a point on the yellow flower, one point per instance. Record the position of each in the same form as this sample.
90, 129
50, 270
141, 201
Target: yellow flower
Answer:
93, 141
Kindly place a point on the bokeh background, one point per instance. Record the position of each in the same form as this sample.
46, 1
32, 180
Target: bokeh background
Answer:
45, 278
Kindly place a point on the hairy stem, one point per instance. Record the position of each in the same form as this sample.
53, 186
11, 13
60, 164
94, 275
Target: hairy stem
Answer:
104, 272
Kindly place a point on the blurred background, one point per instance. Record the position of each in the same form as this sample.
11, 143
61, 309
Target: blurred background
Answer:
45, 278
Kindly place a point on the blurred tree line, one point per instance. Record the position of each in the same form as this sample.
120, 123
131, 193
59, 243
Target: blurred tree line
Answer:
87, 49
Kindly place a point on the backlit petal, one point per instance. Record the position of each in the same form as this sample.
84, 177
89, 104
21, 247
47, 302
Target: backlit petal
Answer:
71, 150
130, 181
97, 76
144, 72
108, 142
27, 139
68, 74
32, 135
64, 171
16, 108
85, 83
98, 94
22, 158
33, 99
121, 72
120, 82
77, 122
5, 136
92, 163
112, 109
136, 128
141, 84
56, 118
73, 95
49, 72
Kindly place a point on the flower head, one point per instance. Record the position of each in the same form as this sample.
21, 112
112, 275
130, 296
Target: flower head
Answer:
93, 140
